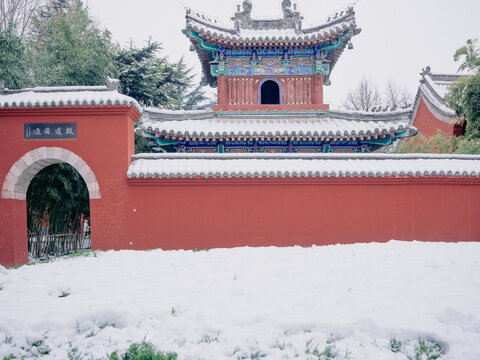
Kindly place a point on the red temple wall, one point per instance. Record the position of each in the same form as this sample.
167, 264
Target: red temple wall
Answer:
204, 214
207, 213
428, 124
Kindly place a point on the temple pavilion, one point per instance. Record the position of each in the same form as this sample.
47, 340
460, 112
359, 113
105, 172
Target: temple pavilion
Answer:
269, 76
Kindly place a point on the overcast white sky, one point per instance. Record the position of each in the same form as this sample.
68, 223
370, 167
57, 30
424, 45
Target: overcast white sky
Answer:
398, 38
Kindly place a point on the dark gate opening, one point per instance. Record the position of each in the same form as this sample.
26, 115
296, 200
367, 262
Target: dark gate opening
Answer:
270, 93
58, 213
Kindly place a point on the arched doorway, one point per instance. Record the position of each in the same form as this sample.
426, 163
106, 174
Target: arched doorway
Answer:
19, 178
58, 212
270, 93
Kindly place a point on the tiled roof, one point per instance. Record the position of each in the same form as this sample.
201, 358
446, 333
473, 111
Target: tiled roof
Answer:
317, 34
433, 90
334, 124
65, 97
307, 165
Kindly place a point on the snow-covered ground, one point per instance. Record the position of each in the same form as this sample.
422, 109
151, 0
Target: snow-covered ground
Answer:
356, 301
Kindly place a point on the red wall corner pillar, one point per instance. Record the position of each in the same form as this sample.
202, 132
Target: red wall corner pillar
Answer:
13, 232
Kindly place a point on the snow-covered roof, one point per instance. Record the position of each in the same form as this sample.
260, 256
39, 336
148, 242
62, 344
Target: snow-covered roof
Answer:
222, 34
433, 90
334, 124
306, 165
207, 34
65, 96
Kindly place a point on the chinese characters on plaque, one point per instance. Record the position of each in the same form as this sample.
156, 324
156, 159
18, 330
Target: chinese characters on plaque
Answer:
58, 131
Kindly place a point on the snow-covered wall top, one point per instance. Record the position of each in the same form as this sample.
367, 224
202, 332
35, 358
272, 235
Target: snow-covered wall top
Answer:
305, 165
68, 96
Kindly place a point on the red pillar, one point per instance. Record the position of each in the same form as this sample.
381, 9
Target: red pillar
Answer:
318, 90
222, 92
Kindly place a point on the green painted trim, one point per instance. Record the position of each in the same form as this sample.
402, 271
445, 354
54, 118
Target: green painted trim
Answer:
387, 141
160, 141
202, 43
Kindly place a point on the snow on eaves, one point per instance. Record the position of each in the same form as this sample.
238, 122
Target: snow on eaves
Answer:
334, 125
65, 97
301, 165
251, 35
433, 99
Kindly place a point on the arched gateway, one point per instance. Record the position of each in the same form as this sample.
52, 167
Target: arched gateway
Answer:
89, 128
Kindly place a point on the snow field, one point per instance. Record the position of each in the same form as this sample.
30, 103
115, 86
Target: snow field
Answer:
353, 301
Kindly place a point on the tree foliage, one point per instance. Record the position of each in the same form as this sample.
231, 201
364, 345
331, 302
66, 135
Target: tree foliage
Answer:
464, 95
13, 59
69, 48
438, 144
154, 81
470, 55
57, 198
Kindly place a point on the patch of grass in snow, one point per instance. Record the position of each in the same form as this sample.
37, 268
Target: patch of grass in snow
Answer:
90, 334
9, 357
173, 312
423, 349
255, 355
104, 325
42, 348
74, 353
279, 345
426, 350
64, 293
207, 339
143, 351
395, 345
8, 339
329, 352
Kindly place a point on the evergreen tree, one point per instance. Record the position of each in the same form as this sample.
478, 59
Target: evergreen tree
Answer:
154, 81
68, 48
13, 59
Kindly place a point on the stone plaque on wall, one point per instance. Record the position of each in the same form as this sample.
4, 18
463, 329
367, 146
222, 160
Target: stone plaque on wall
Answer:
52, 131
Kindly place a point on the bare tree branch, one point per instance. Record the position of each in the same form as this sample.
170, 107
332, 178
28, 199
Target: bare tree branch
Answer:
395, 97
365, 97
19, 13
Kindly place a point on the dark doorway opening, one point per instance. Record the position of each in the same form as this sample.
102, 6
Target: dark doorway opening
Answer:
58, 212
270, 93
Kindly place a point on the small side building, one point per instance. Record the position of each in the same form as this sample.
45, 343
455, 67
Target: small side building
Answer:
430, 112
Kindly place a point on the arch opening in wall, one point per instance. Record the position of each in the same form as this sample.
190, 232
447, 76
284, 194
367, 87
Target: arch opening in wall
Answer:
270, 93
58, 212
19, 178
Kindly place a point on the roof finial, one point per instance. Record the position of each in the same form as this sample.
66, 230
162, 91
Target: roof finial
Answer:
243, 19
112, 84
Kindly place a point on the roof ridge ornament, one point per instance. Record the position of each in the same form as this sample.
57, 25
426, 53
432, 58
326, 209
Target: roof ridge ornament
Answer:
291, 18
112, 84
